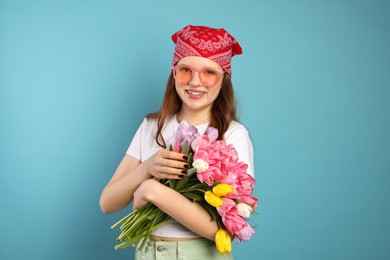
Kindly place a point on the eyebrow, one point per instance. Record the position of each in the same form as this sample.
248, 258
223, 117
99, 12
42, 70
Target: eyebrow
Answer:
207, 67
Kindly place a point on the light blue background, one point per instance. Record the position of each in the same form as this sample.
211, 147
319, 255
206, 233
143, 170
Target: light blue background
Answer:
76, 78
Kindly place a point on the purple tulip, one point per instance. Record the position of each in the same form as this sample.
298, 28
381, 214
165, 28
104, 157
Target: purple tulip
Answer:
185, 132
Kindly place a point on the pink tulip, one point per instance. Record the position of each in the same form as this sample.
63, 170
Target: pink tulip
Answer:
230, 217
234, 172
199, 143
250, 200
202, 141
207, 176
243, 185
226, 155
222, 160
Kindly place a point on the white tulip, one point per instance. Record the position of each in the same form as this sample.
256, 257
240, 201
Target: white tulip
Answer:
200, 165
244, 210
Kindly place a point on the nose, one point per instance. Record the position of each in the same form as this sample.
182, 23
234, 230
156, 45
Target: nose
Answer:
195, 80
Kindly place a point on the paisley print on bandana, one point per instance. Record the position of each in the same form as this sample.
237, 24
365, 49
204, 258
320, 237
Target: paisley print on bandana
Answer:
215, 44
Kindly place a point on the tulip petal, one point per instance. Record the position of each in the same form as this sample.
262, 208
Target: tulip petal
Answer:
222, 189
213, 199
223, 241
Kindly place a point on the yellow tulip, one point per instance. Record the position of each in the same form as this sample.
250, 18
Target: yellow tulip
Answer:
222, 189
213, 199
223, 241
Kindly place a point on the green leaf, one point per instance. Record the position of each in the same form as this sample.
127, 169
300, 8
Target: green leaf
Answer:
203, 186
193, 196
180, 184
185, 148
190, 158
191, 171
213, 211
172, 183
170, 148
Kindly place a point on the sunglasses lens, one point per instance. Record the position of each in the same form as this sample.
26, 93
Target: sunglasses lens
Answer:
208, 76
183, 74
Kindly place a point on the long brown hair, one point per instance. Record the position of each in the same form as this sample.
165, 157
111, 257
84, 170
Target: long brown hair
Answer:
223, 111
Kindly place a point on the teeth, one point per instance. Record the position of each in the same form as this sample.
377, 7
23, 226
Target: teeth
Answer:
195, 93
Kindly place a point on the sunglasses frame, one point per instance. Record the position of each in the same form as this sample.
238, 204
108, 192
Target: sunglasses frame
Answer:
218, 72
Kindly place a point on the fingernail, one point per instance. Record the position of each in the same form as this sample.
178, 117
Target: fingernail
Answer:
185, 157
184, 171
186, 166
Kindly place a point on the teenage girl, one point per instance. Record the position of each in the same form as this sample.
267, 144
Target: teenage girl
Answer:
200, 91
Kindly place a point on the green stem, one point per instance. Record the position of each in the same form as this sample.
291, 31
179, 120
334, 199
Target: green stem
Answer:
144, 211
124, 219
149, 231
134, 241
192, 190
129, 230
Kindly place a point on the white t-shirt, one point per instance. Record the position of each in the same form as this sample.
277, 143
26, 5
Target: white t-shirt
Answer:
144, 145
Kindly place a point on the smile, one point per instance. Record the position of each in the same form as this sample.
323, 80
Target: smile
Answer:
195, 93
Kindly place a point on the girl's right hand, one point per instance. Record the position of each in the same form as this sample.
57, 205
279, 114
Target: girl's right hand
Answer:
166, 164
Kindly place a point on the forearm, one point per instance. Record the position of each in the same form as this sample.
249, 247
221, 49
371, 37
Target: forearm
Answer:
119, 192
188, 213
131, 173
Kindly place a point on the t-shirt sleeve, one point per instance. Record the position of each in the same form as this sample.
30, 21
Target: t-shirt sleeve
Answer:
240, 139
135, 145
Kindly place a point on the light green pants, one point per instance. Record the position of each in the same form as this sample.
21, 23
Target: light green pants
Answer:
198, 249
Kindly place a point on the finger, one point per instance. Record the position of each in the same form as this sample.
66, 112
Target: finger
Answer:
172, 176
173, 155
171, 171
174, 164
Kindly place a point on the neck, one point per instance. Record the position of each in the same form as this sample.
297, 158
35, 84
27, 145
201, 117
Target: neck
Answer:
195, 118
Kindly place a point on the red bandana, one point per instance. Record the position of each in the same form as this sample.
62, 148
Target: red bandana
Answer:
215, 44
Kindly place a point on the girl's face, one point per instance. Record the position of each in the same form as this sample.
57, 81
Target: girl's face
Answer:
198, 82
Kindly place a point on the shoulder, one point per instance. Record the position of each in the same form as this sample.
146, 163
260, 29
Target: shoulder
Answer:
149, 126
235, 129
149, 121
152, 121
146, 127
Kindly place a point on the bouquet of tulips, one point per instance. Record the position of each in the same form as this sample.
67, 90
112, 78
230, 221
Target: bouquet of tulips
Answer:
216, 180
